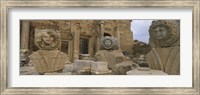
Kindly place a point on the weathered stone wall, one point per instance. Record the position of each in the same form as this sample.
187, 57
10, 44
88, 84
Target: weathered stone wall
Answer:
110, 27
126, 36
73, 30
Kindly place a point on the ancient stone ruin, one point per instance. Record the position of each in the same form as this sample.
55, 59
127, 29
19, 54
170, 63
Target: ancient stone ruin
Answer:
109, 52
48, 58
165, 43
98, 47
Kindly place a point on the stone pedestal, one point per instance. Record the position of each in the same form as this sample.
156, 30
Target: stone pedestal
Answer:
56, 73
100, 68
48, 61
165, 59
145, 71
69, 68
83, 67
112, 57
85, 56
24, 57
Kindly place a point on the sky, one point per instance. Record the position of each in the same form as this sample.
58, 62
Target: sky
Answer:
140, 30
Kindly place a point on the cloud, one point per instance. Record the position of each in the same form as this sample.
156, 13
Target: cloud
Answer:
140, 29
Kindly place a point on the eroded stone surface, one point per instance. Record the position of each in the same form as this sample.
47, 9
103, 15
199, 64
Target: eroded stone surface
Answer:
145, 72
165, 40
28, 70
93, 30
100, 68
69, 67
164, 33
83, 66
109, 43
112, 57
48, 59
122, 68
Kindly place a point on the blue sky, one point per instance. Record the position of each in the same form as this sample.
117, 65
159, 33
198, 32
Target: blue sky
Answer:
140, 29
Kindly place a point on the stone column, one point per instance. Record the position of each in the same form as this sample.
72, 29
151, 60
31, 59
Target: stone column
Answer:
76, 37
101, 34
117, 34
24, 36
70, 50
24, 42
91, 45
102, 28
97, 42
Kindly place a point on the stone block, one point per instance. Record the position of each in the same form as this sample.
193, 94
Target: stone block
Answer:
145, 71
83, 66
56, 73
99, 68
28, 70
48, 61
69, 68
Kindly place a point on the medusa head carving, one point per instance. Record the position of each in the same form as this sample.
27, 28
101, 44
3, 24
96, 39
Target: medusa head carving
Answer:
164, 33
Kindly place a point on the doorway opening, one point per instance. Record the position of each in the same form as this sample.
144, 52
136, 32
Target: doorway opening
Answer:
64, 46
84, 42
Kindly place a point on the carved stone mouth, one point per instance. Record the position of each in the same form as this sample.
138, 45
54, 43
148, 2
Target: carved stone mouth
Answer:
159, 37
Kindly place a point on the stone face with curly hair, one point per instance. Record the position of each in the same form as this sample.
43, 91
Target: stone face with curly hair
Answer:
165, 43
47, 39
164, 33
48, 59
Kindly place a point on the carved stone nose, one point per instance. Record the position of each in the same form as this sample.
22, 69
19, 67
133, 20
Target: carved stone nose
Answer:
158, 33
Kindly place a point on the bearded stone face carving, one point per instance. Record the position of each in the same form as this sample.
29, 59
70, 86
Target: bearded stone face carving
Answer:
165, 43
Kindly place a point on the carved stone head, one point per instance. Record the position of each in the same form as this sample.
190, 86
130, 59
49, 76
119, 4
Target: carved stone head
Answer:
47, 39
164, 33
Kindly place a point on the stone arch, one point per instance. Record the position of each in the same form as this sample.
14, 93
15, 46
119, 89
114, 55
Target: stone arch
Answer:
106, 34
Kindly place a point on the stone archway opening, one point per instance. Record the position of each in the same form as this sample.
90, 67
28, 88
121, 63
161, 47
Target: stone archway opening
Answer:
106, 34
